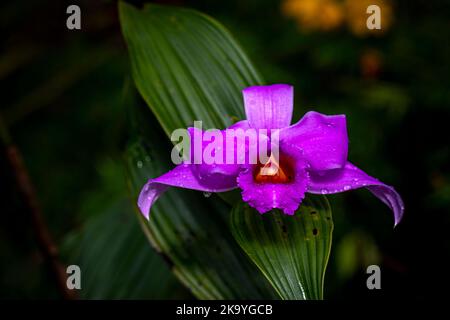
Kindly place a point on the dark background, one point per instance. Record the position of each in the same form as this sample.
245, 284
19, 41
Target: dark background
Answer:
62, 104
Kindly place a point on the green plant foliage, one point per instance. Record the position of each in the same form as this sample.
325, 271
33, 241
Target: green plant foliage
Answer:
192, 232
116, 261
291, 251
186, 228
186, 66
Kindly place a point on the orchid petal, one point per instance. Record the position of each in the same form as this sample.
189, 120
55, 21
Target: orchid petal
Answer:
322, 139
181, 176
350, 177
269, 107
204, 170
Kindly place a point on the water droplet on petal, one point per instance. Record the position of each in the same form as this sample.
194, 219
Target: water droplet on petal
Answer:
324, 191
346, 188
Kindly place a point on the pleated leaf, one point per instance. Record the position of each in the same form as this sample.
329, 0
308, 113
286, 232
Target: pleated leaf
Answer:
186, 66
192, 232
291, 251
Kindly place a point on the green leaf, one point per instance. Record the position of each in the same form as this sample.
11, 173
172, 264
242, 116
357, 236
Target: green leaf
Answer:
291, 251
186, 66
188, 229
192, 231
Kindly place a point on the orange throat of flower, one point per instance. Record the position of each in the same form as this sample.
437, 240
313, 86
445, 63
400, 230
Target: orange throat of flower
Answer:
274, 171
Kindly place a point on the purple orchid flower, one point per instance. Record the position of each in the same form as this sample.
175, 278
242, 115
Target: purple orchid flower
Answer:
312, 158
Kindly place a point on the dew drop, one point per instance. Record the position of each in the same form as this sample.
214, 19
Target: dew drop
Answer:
139, 164
346, 188
324, 191
207, 194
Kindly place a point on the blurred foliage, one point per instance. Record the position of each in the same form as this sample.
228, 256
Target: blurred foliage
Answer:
314, 14
62, 99
326, 15
116, 260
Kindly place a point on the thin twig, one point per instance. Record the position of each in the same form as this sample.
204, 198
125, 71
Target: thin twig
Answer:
44, 240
